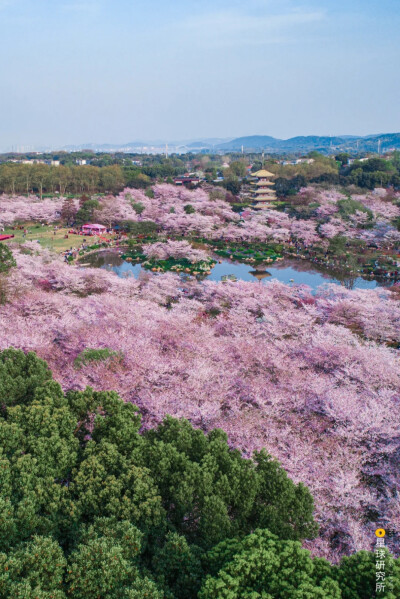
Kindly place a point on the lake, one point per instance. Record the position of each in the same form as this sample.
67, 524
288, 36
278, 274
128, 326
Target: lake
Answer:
289, 271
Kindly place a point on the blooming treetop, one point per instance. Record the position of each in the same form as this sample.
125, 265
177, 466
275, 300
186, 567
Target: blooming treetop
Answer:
179, 211
174, 249
314, 379
21, 208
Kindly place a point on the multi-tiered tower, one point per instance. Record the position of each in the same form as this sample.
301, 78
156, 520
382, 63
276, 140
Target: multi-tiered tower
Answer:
263, 193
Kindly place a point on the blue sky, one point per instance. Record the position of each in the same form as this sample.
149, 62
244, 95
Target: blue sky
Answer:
76, 71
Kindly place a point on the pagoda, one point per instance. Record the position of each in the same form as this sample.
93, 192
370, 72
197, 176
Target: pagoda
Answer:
263, 193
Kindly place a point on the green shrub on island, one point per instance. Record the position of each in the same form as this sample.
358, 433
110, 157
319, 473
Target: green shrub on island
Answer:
180, 265
171, 264
172, 256
249, 255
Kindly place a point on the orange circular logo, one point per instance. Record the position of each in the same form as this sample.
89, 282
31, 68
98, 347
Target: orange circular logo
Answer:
380, 532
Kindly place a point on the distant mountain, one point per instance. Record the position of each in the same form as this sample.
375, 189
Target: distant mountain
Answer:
308, 143
255, 143
387, 140
104, 147
137, 146
205, 144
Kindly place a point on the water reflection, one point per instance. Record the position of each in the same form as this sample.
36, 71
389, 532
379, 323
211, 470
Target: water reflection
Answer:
260, 274
290, 271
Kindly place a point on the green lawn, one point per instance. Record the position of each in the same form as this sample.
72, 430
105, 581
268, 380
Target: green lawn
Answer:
47, 239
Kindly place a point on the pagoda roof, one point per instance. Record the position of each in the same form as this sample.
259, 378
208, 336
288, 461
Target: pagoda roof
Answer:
263, 199
261, 191
263, 173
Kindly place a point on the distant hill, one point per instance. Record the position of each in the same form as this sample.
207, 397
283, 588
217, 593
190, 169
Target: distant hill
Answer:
136, 146
256, 143
312, 142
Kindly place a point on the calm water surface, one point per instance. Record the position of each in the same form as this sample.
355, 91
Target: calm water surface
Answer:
291, 272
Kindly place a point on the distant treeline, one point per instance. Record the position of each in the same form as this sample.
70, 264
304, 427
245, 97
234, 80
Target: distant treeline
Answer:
103, 177
368, 174
44, 178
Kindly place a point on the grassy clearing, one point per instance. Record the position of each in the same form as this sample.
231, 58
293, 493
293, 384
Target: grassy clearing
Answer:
45, 235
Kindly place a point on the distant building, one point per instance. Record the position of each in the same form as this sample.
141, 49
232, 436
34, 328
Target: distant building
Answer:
296, 161
37, 161
353, 160
262, 191
81, 161
305, 161
187, 180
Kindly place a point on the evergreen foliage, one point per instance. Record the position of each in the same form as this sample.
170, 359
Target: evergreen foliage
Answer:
92, 507
85, 212
6, 259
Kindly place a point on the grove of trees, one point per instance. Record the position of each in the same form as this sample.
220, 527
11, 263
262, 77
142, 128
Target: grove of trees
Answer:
43, 178
94, 507
99, 176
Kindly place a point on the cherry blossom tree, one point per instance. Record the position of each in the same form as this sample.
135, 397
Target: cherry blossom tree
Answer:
174, 249
23, 209
312, 378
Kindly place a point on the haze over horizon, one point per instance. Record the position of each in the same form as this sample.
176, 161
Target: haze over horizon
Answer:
81, 71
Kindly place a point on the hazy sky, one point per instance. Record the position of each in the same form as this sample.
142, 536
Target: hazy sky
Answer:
76, 71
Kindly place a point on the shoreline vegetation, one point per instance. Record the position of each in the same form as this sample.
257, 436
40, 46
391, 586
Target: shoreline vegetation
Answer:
370, 264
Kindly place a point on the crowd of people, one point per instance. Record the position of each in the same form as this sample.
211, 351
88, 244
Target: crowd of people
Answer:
73, 252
